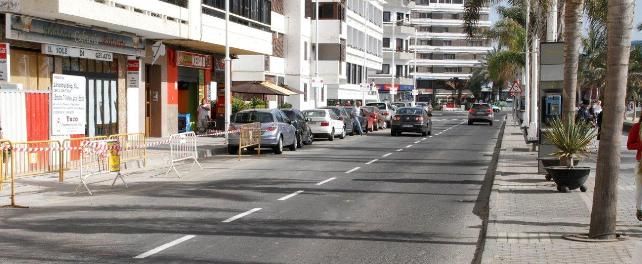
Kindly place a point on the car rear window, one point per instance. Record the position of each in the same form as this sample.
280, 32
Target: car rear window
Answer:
291, 115
314, 113
253, 116
378, 105
481, 107
409, 111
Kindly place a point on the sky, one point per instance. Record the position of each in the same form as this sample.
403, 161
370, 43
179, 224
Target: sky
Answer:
637, 35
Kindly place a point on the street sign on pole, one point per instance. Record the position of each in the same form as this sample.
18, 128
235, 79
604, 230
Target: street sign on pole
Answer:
415, 92
317, 82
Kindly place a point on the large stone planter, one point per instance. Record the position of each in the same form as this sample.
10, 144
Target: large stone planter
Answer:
568, 178
553, 161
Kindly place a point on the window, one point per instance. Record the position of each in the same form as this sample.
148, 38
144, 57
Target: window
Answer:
399, 71
305, 92
386, 42
385, 69
449, 56
322, 94
330, 11
400, 16
453, 69
399, 44
447, 43
386, 16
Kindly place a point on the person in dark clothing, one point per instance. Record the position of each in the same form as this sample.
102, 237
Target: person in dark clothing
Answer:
583, 114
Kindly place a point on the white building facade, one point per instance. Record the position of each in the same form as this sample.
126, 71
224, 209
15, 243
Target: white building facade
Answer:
398, 58
443, 51
158, 58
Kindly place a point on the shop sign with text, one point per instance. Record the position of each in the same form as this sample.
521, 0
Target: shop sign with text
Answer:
133, 72
4, 62
39, 30
82, 53
68, 105
193, 60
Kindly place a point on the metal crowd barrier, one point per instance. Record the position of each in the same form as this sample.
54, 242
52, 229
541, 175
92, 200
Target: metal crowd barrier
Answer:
71, 149
38, 157
99, 157
250, 136
182, 147
7, 171
133, 147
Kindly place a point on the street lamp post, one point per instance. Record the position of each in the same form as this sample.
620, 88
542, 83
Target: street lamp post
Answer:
393, 67
228, 71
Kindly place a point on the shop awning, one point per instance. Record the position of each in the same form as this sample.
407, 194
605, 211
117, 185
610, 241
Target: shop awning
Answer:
261, 88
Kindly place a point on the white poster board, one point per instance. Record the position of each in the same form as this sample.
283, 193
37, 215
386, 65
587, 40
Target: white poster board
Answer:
68, 105
133, 72
212, 91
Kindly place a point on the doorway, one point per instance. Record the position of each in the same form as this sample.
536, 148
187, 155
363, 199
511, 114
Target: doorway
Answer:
153, 105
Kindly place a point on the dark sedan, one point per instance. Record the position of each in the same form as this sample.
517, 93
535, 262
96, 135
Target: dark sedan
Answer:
411, 119
303, 132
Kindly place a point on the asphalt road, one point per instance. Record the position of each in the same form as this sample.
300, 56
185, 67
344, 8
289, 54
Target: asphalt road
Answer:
364, 199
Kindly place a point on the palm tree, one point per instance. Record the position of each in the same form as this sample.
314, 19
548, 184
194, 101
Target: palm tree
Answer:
604, 212
572, 43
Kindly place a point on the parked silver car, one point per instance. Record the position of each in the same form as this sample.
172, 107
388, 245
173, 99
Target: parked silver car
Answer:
275, 125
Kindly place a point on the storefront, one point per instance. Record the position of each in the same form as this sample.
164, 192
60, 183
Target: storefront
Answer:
176, 84
43, 52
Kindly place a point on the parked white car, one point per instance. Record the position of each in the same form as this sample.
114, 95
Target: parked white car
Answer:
325, 123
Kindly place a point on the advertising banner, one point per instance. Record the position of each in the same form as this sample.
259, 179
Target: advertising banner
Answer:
68, 105
133, 72
4, 62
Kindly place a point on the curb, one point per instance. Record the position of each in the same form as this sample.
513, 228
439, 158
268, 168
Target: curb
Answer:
486, 212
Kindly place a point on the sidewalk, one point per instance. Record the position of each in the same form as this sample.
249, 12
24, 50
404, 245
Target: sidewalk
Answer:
528, 216
37, 190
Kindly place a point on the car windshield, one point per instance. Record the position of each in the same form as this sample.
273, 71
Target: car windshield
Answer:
314, 113
378, 105
409, 111
253, 116
336, 111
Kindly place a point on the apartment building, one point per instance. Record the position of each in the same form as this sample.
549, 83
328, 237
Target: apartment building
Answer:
443, 51
350, 40
398, 58
143, 66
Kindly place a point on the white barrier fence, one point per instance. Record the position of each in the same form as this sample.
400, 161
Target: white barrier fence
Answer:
182, 147
97, 158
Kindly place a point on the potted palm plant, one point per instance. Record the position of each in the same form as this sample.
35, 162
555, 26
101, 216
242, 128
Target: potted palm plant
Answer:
572, 140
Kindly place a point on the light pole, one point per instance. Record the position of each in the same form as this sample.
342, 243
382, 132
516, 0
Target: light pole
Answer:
414, 73
316, 54
228, 71
393, 67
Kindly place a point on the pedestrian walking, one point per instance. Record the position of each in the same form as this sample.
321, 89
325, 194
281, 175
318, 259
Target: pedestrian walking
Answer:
584, 114
633, 143
204, 116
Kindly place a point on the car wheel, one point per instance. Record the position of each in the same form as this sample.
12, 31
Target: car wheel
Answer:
424, 133
429, 132
490, 123
278, 149
470, 123
331, 136
343, 134
232, 150
393, 133
294, 144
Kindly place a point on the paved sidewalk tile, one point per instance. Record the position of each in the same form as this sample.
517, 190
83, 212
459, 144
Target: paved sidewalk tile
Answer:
528, 217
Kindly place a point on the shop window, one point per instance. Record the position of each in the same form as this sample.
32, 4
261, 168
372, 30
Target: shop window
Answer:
99, 67
75, 64
31, 69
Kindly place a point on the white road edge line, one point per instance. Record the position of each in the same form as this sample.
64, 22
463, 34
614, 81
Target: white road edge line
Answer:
290, 195
430, 136
353, 169
165, 246
386, 155
425, 138
372, 161
409, 146
399, 150
417, 142
326, 181
241, 215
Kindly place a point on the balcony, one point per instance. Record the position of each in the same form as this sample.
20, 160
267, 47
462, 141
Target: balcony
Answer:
455, 62
450, 49
399, 55
446, 22
400, 30
442, 35
449, 8
442, 75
